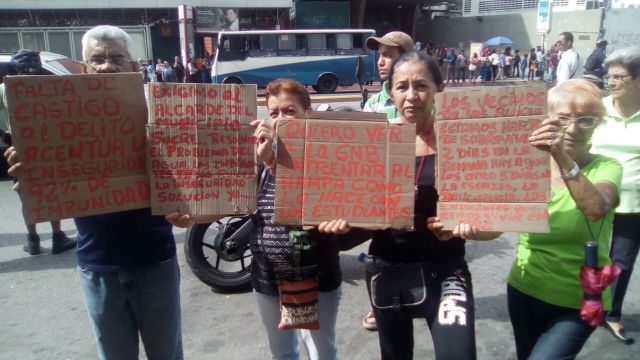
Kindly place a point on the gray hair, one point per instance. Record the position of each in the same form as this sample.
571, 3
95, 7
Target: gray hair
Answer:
106, 33
628, 57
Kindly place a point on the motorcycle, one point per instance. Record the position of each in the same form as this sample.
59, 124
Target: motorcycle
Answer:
218, 253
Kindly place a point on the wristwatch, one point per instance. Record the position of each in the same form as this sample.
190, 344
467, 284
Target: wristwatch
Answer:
572, 173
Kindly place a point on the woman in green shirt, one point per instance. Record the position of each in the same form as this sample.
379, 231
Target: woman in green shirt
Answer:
544, 293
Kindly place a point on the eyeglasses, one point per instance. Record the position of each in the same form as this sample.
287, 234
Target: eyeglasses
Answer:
617, 77
583, 122
95, 62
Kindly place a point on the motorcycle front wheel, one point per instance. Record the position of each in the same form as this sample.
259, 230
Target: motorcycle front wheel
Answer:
225, 269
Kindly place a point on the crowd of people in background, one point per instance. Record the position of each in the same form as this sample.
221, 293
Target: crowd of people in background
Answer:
489, 64
196, 71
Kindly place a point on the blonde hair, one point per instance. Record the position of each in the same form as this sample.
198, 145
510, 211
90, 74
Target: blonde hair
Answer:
581, 95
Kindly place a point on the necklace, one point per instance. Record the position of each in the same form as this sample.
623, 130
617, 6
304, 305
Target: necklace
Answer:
422, 158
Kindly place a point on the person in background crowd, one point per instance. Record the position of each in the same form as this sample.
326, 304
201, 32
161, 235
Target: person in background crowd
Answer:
494, 59
570, 64
450, 60
544, 293
508, 61
594, 69
542, 63
127, 263
389, 49
485, 67
159, 68
618, 137
516, 64
151, 71
461, 64
178, 68
533, 65
552, 64
524, 65
431, 49
501, 63
473, 68
168, 73
413, 82
192, 70
142, 68
205, 72
27, 62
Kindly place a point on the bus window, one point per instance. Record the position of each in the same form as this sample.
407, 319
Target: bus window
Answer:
358, 40
344, 41
233, 48
332, 42
301, 42
286, 42
268, 42
317, 41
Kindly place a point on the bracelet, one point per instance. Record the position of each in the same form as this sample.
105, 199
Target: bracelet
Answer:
270, 165
572, 173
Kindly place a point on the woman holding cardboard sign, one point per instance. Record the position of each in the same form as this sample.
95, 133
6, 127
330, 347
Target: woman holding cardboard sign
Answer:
544, 291
410, 273
295, 273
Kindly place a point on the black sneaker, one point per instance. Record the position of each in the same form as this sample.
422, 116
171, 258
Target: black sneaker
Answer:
62, 243
32, 246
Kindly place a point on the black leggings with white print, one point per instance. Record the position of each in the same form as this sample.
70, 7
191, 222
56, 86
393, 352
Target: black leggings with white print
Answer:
448, 310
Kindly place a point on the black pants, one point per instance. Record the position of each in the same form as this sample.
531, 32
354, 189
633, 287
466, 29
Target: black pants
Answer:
449, 312
545, 331
624, 251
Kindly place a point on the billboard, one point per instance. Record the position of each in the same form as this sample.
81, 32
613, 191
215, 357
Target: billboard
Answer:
212, 19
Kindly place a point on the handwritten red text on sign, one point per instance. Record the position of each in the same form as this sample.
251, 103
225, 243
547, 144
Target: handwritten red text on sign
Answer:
201, 148
359, 169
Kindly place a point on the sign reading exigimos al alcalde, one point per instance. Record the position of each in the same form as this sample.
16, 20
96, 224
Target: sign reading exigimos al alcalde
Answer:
201, 148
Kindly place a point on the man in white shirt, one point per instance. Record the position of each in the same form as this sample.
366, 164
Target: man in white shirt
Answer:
570, 65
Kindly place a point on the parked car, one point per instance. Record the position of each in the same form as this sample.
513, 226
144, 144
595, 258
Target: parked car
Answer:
52, 64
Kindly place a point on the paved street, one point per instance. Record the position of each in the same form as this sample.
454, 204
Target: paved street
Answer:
42, 315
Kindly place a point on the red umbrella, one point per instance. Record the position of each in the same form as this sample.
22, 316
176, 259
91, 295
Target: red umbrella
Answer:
594, 280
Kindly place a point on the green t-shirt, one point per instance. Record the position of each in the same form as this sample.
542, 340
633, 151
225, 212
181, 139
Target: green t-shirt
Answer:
382, 103
547, 266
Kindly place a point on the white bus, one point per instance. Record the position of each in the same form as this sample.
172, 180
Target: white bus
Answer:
322, 59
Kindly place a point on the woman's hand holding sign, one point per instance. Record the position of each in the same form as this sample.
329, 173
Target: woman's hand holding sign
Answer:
265, 134
463, 230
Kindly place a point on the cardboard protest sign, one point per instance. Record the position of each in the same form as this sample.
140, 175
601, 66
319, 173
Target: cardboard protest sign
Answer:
487, 173
201, 148
351, 166
81, 139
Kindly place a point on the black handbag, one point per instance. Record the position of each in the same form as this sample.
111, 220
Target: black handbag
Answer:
397, 287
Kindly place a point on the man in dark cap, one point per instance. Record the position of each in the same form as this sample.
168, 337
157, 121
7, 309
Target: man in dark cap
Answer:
27, 62
594, 70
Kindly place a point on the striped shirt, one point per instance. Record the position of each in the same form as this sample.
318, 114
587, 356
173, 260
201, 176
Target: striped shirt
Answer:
273, 252
382, 103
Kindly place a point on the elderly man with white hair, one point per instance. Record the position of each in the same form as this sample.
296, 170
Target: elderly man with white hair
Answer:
127, 262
